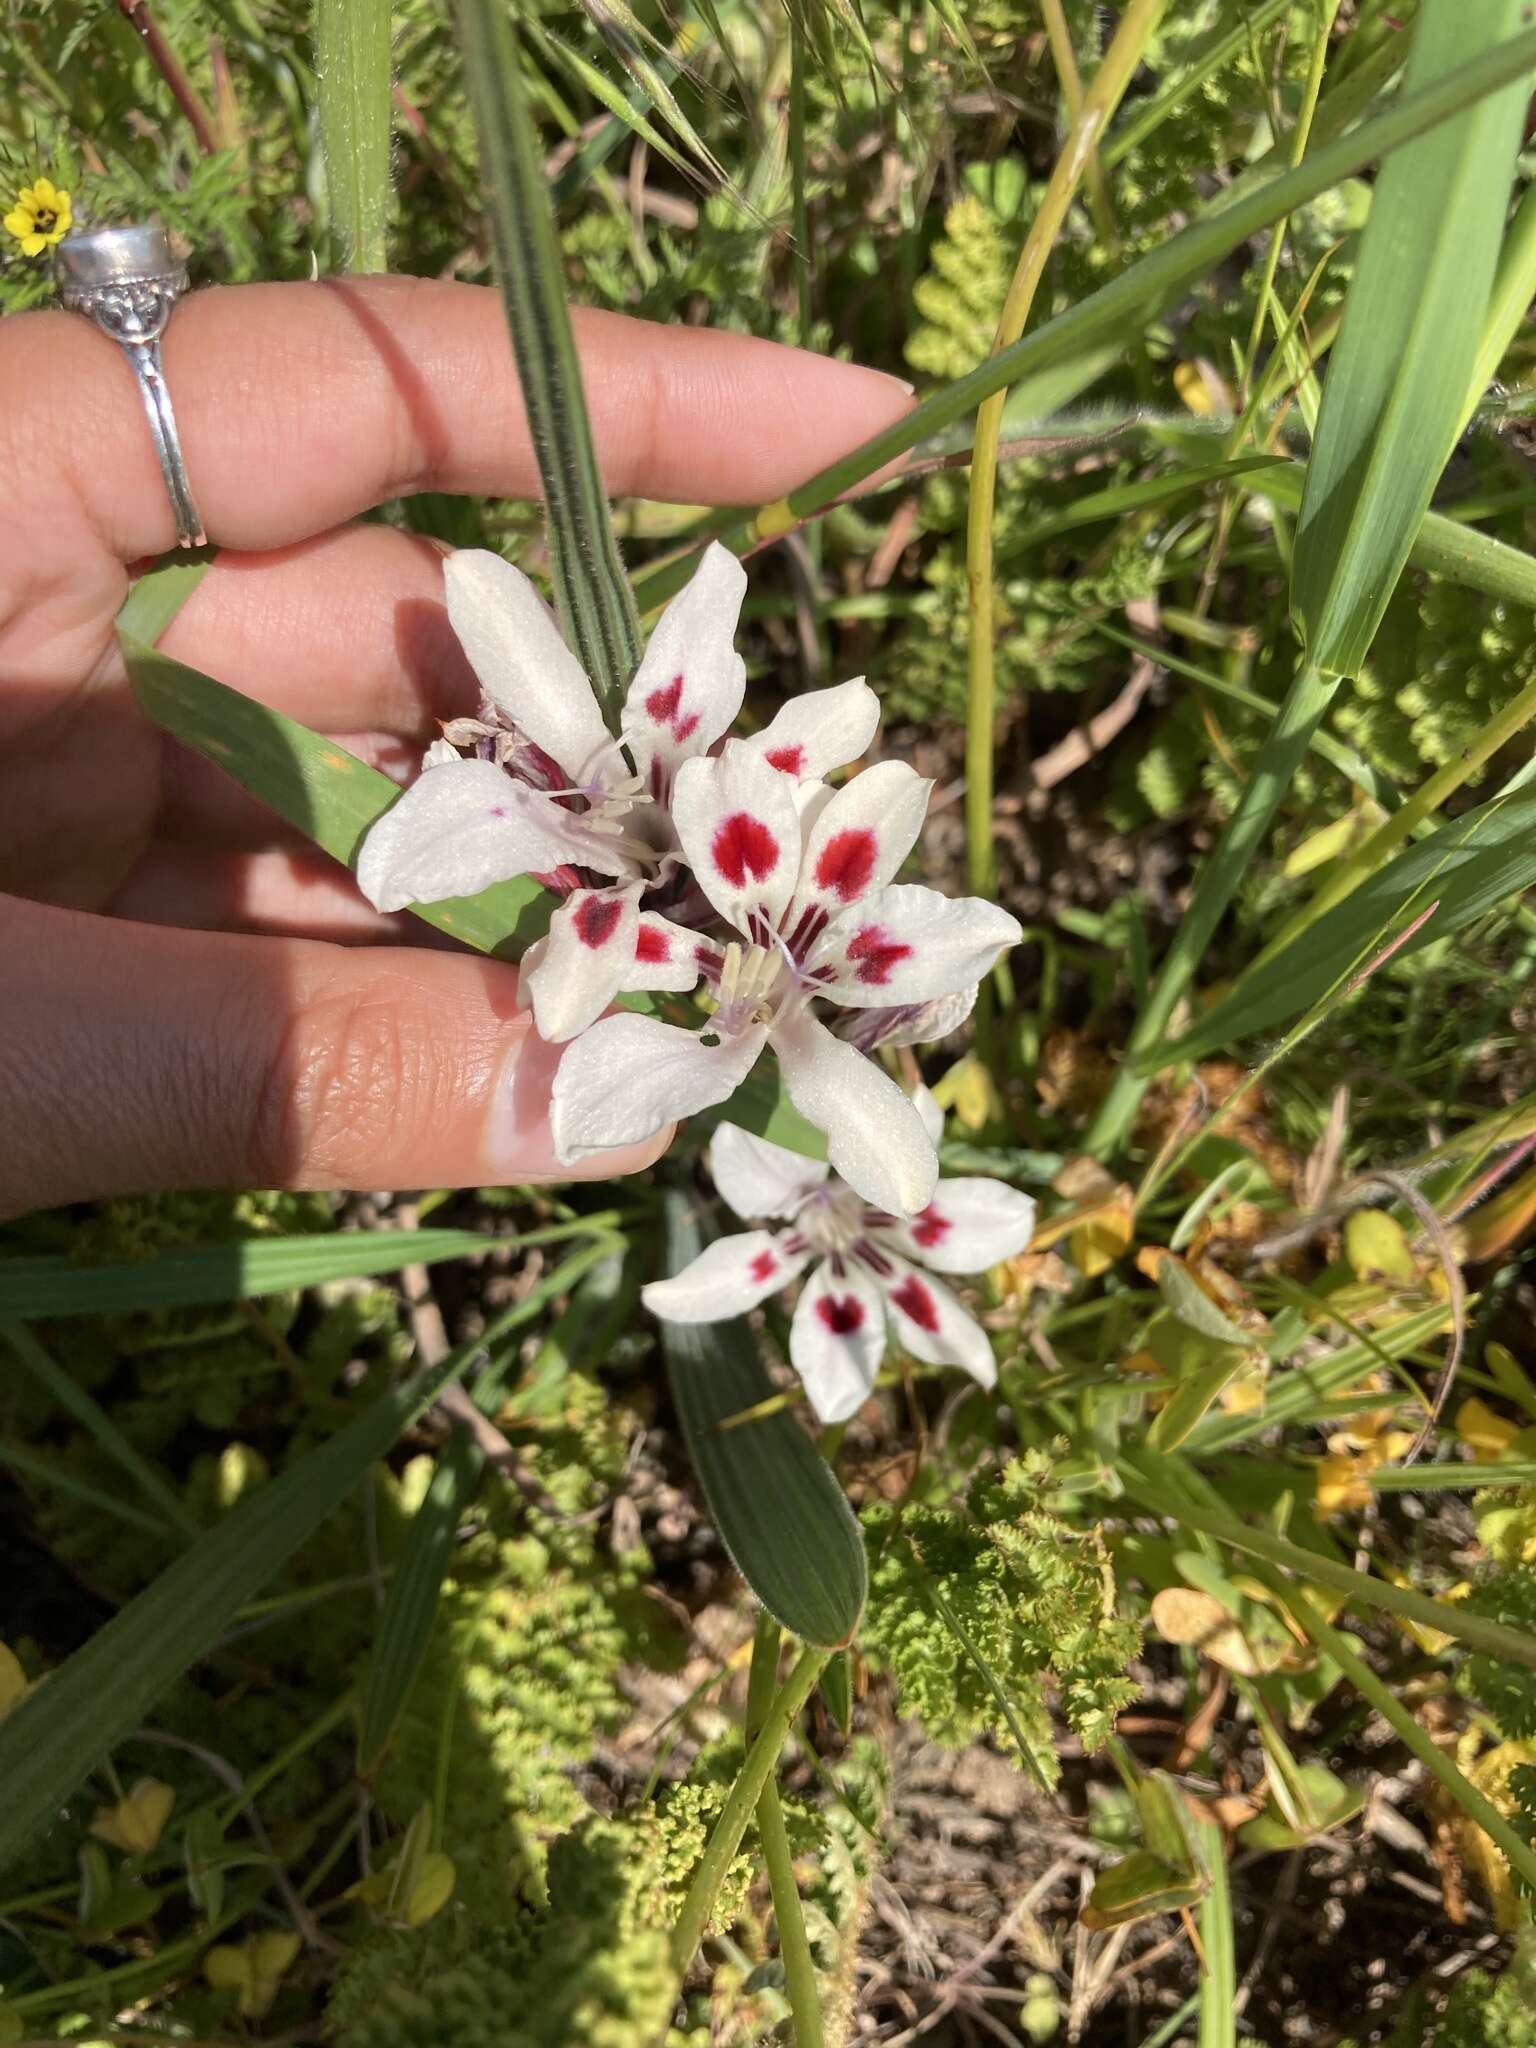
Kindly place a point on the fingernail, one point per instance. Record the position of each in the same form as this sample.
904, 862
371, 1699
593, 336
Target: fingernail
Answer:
519, 1145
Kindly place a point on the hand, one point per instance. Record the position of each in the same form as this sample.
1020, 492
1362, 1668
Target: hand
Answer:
194, 997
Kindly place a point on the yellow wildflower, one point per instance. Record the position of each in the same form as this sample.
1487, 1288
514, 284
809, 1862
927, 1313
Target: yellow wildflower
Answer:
40, 217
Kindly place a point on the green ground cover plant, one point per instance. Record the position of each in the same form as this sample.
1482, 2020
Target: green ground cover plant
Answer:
425, 1619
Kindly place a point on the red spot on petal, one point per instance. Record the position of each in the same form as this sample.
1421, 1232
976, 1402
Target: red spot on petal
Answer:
744, 846
666, 707
842, 1315
930, 1227
915, 1299
876, 953
662, 704
595, 918
847, 862
788, 760
652, 945
763, 1267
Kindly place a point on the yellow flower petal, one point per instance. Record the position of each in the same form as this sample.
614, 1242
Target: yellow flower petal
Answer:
34, 245
18, 222
43, 193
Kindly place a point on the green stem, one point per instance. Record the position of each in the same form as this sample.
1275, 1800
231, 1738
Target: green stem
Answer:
1128, 299
1476, 1805
797, 172
1098, 105
1218, 1977
594, 596
1281, 755
794, 1946
739, 1807
1475, 1630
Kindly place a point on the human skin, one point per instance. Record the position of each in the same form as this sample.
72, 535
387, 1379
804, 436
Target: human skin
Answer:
192, 996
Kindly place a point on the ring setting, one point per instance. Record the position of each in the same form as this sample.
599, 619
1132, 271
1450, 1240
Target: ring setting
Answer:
126, 282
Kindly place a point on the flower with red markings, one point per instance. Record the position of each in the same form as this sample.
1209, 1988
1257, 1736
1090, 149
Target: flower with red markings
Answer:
679, 854
806, 884
864, 1276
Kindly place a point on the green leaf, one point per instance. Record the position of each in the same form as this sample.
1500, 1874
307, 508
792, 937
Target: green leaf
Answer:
159, 594
94, 1419
1397, 380
1194, 1307
61, 1731
58, 1286
592, 591
317, 786
1465, 868
353, 91
779, 1510
1138, 1886
410, 1606
1191, 1401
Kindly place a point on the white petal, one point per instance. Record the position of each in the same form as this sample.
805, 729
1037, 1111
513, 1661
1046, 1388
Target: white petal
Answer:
524, 666
627, 1076
440, 752
921, 1026
758, 1178
819, 730
584, 962
969, 1225
740, 834
727, 1278
928, 1109
862, 837
908, 944
875, 1136
689, 687
837, 1340
931, 1325
458, 828
666, 956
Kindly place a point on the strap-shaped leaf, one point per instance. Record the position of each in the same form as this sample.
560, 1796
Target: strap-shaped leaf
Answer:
352, 77
1464, 869
62, 1730
410, 1606
316, 785
591, 588
58, 1286
779, 1510
1395, 394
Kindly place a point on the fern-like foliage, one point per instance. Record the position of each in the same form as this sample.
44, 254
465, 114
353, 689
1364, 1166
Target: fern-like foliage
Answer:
1508, 1691
990, 1600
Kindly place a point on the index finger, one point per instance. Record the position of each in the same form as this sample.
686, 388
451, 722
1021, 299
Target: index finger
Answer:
301, 405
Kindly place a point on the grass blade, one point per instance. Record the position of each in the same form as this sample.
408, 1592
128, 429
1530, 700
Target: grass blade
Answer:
353, 90
779, 1510
61, 1731
1395, 393
1129, 299
1467, 868
593, 594
410, 1606
75, 1401
58, 1286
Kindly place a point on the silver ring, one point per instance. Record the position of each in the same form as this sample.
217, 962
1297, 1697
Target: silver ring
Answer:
126, 281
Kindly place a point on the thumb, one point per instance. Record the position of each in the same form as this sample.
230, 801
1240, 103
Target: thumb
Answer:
137, 1057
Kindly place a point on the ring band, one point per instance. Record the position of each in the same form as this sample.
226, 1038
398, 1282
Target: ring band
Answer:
126, 281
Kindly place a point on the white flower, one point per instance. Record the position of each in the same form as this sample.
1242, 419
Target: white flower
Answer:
680, 855
542, 746
866, 1275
